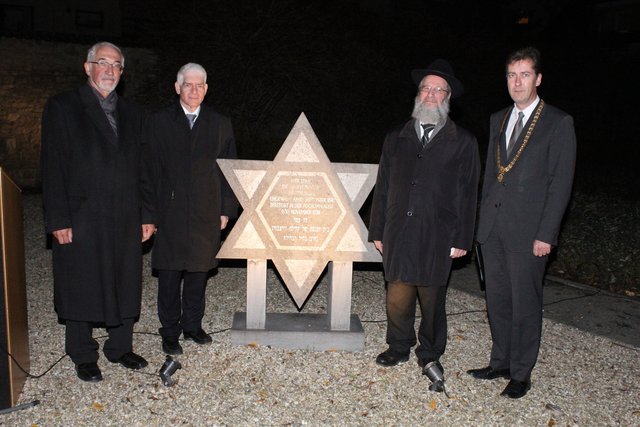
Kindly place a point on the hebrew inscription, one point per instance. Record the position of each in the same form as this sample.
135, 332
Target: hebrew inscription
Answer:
300, 211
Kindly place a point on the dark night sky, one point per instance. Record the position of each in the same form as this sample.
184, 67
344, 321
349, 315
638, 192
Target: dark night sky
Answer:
347, 65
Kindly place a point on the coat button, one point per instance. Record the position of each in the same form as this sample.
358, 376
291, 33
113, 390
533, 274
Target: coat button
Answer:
413, 183
409, 213
419, 156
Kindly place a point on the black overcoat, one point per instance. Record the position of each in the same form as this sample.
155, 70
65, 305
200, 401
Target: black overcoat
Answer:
90, 181
424, 202
189, 189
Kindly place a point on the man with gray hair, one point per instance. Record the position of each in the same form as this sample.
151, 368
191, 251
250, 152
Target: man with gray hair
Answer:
192, 203
91, 142
423, 216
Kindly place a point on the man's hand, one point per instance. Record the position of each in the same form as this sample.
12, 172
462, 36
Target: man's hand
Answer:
147, 231
457, 253
541, 248
378, 245
224, 220
63, 236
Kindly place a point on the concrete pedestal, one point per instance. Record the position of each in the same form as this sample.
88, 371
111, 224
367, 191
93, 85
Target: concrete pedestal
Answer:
299, 331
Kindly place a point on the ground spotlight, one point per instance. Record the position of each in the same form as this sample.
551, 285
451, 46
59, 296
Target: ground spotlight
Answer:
169, 367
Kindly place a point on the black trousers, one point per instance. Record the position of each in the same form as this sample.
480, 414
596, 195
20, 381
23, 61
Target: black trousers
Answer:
514, 305
82, 348
401, 314
178, 312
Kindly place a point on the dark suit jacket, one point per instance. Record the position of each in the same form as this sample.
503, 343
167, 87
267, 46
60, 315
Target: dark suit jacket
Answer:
534, 194
90, 181
188, 188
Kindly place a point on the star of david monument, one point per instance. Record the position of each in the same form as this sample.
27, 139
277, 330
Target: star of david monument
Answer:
301, 212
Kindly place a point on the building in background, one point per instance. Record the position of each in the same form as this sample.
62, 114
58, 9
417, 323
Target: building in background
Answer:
96, 18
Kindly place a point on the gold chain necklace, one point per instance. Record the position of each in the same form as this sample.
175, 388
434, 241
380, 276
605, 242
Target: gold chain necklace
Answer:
504, 169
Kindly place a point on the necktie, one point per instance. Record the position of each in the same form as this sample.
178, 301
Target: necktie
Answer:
515, 134
108, 105
112, 121
428, 127
192, 119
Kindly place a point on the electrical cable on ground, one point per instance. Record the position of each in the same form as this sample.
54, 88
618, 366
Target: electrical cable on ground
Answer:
228, 329
34, 376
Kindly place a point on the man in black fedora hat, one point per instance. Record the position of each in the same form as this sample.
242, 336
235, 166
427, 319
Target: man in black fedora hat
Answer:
423, 215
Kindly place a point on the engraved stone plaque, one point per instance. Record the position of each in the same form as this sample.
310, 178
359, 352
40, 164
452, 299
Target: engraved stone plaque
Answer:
300, 211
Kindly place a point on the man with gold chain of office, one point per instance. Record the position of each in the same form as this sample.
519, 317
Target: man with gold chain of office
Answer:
526, 189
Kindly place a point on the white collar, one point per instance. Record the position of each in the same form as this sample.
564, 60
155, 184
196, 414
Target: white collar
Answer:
527, 111
197, 112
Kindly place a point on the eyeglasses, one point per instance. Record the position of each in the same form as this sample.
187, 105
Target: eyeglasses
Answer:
437, 90
196, 86
103, 64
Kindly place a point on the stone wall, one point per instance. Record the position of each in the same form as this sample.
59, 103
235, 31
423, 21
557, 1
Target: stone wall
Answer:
31, 71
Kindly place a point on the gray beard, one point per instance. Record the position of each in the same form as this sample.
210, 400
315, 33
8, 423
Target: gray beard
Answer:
424, 114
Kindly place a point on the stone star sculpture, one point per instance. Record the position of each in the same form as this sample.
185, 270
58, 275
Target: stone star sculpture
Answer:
300, 210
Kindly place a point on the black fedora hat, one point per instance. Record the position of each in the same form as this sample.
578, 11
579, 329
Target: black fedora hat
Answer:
440, 68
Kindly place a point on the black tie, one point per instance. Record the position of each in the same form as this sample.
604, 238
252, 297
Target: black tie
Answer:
515, 134
428, 127
192, 119
109, 105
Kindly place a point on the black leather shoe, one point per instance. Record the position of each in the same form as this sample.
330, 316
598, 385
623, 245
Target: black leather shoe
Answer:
516, 389
171, 346
389, 358
199, 336
489, 373
131, 361
89, 372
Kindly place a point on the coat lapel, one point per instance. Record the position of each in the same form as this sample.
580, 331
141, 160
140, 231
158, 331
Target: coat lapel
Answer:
503, 135
205, 125
184, 141
124, 114
97, 115
408, 132
445, 133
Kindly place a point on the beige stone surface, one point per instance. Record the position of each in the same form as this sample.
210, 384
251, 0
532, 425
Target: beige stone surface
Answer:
300, 211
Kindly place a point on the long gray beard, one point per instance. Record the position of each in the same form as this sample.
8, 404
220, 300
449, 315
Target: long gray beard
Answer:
425, 114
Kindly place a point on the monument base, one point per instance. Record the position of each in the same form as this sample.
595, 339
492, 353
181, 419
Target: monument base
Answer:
298, 331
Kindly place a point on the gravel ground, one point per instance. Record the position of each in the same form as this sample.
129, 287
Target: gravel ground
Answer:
581, 379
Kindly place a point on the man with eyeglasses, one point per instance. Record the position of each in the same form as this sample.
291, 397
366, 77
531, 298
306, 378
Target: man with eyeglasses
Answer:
423, 216
193, 203
91, 142
527, 186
